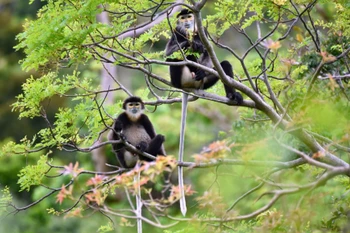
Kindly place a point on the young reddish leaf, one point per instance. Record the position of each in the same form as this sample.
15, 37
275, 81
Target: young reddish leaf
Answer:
72, 170
96, 196
94, 181
188, 190
332, 83
76, 212
136, 185
64, 193
175, 193
327, 57
216, 150
273, 45
60, 197
318, 155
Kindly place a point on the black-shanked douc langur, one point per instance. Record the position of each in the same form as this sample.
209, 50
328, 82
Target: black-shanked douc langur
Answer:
136, 128
186, 38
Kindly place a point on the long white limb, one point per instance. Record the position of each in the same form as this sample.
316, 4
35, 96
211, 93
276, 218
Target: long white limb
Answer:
183, 207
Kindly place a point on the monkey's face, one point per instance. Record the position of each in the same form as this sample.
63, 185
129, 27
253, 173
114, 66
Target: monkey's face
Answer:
134, 110
187, 21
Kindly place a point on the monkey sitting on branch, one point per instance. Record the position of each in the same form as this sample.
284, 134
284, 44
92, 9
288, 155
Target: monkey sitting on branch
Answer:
186, 38
134, 126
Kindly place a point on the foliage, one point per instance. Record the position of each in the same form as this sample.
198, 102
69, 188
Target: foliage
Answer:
33, 175
5, 200
278, 159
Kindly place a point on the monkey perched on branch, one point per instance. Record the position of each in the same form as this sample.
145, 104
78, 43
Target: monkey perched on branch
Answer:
135, 127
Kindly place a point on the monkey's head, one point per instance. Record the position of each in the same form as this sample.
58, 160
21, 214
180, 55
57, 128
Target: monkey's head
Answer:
186, 20
133, 107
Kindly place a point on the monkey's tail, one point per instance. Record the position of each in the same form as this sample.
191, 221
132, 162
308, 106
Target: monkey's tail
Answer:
183, 207
138, 203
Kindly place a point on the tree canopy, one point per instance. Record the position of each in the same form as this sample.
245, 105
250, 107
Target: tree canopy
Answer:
278, 162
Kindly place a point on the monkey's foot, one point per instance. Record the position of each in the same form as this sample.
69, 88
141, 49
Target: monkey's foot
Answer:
193, 75
118, 126
160, 137
236, 96
200, 74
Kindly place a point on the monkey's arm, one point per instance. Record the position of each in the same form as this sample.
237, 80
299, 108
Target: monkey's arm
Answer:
177, 41
155, 147
146, 123
172, 46
120, 123
116, 132
197, 45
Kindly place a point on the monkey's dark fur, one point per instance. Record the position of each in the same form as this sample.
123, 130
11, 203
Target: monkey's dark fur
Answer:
137, 129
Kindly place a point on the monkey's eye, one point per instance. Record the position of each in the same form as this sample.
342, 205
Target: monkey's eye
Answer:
132, 105
189, 16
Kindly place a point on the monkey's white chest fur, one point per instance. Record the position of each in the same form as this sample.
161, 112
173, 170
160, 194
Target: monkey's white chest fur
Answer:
135, 134
188, 81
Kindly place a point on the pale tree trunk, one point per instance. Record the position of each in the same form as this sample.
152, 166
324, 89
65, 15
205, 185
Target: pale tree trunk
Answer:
98, 155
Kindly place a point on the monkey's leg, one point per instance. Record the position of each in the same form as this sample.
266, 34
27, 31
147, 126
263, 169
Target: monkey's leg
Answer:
175, 73
231, 92
125, 158
155, 146
210, 81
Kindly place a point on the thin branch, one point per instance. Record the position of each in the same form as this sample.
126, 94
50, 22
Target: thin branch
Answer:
331, 142
18, 209
336, 77
315, 40
253, 163
244, 195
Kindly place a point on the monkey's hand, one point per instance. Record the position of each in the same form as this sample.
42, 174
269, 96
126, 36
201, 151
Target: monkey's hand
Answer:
122, 137
185, 44
118, 126
198, 47
160, 137
142, 146
200, 74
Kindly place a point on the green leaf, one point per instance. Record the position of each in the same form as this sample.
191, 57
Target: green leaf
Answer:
33, 174
5, 200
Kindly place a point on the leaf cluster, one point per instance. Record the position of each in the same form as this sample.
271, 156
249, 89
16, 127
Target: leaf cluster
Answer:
33, 174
